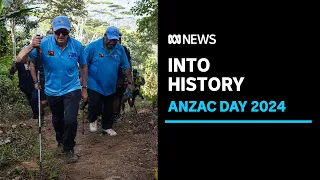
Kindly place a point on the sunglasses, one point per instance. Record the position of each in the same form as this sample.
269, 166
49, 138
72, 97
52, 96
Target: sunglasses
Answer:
63, 32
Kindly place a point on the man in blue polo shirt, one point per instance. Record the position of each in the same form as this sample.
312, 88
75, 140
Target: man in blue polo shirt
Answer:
60, 55
104, 57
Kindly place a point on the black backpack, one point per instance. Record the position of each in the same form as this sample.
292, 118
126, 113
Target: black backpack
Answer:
121, 76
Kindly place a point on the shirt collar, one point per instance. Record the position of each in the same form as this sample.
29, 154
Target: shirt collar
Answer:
54, 40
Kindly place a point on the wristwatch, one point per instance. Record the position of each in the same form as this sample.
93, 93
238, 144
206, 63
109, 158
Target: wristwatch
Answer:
84, 87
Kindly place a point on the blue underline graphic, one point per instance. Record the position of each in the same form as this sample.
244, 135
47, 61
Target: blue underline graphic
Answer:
237, 121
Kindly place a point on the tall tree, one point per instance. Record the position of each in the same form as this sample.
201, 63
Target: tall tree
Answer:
52, 8
140, 51
15, 14
148, 25
4, 35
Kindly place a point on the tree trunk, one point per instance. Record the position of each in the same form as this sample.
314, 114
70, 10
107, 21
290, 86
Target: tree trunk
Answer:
13, 36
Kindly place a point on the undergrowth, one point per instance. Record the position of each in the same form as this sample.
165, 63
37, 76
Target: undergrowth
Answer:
19, 142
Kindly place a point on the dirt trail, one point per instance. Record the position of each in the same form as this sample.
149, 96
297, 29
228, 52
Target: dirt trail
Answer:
130, 155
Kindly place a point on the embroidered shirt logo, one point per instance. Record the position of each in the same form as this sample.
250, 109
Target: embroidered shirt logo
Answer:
50, 53
116, 56
71, 54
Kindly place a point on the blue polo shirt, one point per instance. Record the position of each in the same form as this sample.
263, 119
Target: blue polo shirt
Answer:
60, 66
103, 66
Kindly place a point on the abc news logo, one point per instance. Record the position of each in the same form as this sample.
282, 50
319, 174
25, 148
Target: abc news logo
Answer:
192, 39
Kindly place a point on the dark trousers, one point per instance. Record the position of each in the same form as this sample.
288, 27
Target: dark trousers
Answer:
96, 101
136, 93
118, 99
35, 99
33, 104
64, 117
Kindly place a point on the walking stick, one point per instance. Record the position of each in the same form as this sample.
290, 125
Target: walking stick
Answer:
82, 117
39, 106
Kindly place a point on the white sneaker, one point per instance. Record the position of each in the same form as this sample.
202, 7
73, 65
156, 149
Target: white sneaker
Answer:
111, 132
93, 126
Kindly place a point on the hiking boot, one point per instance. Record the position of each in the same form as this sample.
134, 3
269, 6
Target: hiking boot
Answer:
111, 132
35, 116
60, 147
71, 157
93, 126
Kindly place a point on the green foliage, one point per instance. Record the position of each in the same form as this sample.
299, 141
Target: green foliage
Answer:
126, 12
4, 36
52, 8
110, 14
148, 25
16, 9
150, 89
116, 6
140, 51
101, 3
96, 23
104, 12
94, 29
14, 105
5, 63
24, 147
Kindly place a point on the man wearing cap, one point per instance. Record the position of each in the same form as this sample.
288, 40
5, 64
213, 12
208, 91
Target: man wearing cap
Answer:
60, 55
104, 57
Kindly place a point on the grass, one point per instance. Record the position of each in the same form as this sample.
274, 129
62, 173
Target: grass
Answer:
23, 145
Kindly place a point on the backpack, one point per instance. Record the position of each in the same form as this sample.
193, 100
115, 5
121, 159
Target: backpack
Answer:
121, 76
142, 81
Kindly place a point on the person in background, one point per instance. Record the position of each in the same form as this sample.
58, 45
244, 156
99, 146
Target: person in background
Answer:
25, 83
121, 85
138, 82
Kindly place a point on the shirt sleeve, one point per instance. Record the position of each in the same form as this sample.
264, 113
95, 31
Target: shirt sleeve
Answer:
81, 57
124, 63
87, 55
33, 55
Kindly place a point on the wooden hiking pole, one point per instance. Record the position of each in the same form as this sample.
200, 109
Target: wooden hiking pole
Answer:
82, 117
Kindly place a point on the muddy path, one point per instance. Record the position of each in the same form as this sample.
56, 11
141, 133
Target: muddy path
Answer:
130, 155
